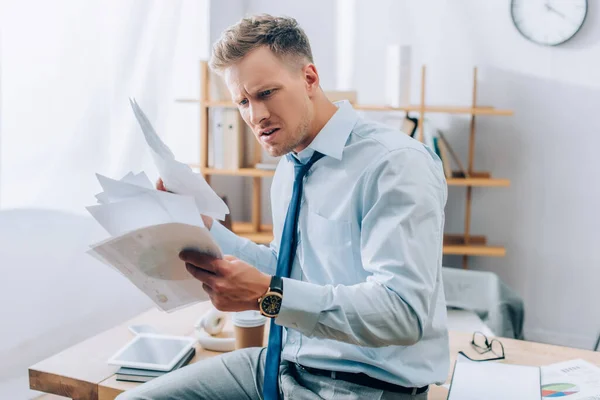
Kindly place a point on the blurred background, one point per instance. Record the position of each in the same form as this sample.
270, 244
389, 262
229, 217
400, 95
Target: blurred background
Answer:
67, 69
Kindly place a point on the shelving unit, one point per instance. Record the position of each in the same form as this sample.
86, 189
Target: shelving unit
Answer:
366, 107
464, 244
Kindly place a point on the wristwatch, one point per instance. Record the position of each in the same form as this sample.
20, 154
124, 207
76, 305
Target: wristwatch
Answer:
270, 303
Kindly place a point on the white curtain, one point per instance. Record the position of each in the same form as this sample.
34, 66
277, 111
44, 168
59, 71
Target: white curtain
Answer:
67, 70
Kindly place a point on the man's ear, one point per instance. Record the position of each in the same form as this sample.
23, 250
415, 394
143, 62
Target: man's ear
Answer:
311, 78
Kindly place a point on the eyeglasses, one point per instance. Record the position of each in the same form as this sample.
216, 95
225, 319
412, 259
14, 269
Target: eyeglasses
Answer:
482, 345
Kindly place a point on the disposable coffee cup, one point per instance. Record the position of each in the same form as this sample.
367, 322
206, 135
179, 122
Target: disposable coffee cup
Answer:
249, 327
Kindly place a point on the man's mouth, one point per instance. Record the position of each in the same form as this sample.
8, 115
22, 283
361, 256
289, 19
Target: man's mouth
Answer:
268, 132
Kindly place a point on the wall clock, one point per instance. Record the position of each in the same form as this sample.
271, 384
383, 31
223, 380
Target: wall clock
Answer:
548, 22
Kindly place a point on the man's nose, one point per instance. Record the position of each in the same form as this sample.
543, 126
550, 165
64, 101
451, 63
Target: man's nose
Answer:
258, 113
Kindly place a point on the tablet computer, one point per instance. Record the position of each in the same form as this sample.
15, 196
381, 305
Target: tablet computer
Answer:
153, 351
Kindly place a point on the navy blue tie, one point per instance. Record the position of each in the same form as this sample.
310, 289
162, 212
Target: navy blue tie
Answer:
285, 259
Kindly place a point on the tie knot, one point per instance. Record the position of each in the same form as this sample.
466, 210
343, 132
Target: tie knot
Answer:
301, 169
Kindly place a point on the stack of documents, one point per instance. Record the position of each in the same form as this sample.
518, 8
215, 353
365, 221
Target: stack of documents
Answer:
573, 379
474, 380
149, 228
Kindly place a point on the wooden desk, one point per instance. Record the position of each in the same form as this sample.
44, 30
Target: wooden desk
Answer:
78, 371
81, 372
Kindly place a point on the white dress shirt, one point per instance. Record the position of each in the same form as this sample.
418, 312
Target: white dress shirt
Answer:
365, 292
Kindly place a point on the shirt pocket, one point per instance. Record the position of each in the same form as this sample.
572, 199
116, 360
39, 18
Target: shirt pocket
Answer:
329, 256
328, 251
327, 233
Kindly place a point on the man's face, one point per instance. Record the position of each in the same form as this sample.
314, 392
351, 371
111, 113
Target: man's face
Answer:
273, 99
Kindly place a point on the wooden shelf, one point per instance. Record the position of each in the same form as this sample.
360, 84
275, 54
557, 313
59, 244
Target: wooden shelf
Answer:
465, 245
479, 179
219, 103
474, 250
459, 239
265, 173
368, 107
253, 172
438, 109
453, 244
479, 182
258, 237
244, 229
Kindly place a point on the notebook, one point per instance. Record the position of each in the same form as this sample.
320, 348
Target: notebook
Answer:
492, 380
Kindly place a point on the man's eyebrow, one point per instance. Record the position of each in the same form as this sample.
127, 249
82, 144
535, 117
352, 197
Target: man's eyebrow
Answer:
264, 87
256, 90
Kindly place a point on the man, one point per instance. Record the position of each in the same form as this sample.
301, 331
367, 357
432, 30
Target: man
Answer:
354, 270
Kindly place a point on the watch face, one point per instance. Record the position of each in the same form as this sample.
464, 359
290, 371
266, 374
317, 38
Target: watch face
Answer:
271, 304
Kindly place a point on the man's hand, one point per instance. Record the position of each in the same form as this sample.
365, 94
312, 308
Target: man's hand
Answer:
207, 220
231, 284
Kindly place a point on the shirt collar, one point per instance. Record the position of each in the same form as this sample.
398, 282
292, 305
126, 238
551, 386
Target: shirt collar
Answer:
332, 138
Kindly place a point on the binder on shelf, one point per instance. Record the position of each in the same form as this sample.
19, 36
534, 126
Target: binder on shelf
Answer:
445, 156
225, 139
215, 138
462, 171
232, 139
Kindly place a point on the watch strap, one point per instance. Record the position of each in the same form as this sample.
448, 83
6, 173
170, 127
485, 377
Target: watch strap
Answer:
276, 284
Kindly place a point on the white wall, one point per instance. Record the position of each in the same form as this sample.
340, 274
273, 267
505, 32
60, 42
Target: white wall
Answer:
318, 25
548, 217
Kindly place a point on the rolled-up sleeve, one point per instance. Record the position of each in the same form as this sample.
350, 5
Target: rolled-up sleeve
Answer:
402, 220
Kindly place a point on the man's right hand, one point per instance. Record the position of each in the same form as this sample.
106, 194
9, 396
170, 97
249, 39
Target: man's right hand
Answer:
208, 221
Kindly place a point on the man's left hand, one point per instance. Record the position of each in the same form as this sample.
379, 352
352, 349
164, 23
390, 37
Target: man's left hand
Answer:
231, 284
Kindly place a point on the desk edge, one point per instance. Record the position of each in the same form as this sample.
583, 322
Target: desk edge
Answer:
61, 385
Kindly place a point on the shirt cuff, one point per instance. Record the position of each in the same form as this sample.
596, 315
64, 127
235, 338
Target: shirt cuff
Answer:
227, 240
301, 305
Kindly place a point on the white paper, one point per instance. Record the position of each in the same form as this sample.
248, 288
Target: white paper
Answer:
179, 177
149, 258
140, 179
115, 190
573, 380
155, 207
128, 215
149, 228
102, 198
492, 380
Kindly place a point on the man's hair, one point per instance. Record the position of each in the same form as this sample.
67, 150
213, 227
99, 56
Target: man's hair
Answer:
282, 35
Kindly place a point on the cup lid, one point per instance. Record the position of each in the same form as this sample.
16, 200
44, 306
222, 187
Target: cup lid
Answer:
248, 319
